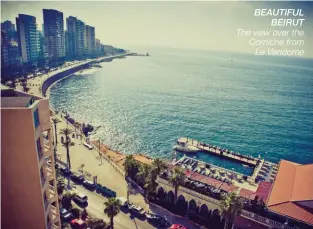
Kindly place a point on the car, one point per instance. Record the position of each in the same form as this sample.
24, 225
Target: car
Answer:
88, 146
65, 171
123, 202
157, 220
137, 210
65, 215
81, 199
77, 178
78, 224
178, 226
89, 185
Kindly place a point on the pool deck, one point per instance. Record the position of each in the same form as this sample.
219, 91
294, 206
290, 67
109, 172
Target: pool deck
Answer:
261, 168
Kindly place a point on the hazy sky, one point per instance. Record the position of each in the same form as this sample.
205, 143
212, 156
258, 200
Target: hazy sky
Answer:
207, 25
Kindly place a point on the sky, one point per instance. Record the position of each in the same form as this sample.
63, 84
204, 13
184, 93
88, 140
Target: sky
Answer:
192, 25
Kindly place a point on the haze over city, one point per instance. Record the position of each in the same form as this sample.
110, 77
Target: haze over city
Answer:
200, 25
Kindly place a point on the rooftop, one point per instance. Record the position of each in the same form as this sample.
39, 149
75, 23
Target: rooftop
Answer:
16, 99
292, 191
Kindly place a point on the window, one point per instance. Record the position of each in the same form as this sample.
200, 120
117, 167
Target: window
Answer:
39, 149
36, 118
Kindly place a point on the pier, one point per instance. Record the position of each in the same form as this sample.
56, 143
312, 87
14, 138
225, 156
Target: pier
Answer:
230, 155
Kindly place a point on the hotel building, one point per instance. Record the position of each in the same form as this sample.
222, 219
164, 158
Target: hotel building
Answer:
71, 27
29, 196
90, 40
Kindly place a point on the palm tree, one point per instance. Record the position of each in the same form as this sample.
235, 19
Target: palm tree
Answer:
231, 206
67, 144
131, 166
55, 122
82, 168
67, 199
150, 182
112, 208
177, 178
144, 171
159, 164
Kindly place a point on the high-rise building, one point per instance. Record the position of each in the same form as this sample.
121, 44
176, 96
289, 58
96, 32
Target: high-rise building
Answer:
54, 33
71, 26
90, 40
80, 48
9, 27
43, 54
29, 188
98, 47
27, 38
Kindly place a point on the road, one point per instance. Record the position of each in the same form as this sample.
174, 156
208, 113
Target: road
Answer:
125, 220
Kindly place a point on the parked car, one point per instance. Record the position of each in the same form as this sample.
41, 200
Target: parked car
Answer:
78, 224
65, 171
89, 185
178, 226
81, 199
157, 220
66, 215
137, 210
77, 178
122, 201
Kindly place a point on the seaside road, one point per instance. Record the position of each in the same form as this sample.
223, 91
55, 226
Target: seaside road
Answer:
123, 220
112, 179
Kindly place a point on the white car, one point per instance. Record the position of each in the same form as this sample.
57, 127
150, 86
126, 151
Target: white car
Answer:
122, 201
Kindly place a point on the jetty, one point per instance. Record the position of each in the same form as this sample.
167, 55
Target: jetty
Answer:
214, 150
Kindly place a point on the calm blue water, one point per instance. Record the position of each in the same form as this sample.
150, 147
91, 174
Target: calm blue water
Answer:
250, 105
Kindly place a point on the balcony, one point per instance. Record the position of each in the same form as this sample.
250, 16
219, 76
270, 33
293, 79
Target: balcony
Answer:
46, 204
52, 193
54, 214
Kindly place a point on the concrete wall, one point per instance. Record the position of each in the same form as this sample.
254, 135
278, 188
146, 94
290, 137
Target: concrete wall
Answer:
48, 82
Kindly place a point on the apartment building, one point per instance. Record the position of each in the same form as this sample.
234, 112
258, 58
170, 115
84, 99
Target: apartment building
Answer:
27, 38
28, 184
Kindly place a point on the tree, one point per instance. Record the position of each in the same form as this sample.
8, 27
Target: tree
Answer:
67, 199
231, 206
177, 178
144, 171
159, 164
111, 209
67, 143
55, 121
150, 183
131, 166
82, 166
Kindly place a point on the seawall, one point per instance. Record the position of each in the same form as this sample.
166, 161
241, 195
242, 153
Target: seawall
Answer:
61, 75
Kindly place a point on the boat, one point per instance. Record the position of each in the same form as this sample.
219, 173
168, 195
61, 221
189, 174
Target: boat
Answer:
186, 148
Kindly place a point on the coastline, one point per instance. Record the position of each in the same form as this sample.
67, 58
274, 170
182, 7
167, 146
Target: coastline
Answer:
115, 157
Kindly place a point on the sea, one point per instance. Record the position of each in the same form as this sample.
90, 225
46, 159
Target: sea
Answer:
256, 105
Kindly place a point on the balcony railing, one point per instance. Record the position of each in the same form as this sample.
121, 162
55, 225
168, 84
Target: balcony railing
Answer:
46, 203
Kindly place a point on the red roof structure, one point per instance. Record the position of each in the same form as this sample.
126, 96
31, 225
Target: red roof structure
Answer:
213, 182
243, 222
263, 190
292, 192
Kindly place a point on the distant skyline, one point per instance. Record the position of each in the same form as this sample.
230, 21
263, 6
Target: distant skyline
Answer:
199, 25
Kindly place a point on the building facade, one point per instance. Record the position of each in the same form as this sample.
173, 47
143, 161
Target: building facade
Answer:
80, 39
71, 26
27, 38
28, 178
54, 33
90, 40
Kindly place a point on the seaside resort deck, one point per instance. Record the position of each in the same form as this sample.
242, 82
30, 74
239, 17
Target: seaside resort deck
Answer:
199, 170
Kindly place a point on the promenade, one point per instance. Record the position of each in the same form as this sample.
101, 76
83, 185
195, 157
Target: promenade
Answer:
106, 172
